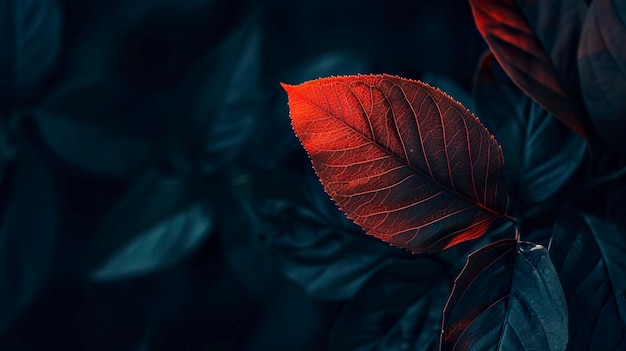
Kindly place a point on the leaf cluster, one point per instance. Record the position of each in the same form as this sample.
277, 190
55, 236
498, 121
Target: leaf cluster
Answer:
410, 166
153, 195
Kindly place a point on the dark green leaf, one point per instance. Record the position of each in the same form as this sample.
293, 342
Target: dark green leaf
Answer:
93, 148
508, 297
148, 46
243, 237
7, 143
614, 201
226, 101
588, 254
329, 262
28, 230
541, 154
398, 308
155, 196
296, 230
169, 240
30, 45
316, 246
100, 126
602, 66
104, 102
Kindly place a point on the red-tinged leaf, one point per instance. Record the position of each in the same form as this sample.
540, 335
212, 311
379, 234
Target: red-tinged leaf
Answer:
602, 66
557, 24
525, 131
405, 161
507, 297
523, 57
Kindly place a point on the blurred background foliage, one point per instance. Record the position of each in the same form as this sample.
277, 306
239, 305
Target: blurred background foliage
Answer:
154, 196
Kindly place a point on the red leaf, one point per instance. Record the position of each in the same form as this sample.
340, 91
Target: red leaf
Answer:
405, 161
522, 56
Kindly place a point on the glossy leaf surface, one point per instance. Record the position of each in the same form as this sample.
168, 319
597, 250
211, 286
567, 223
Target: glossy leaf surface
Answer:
588, 254
524, 59
405, 161
602, 66
507, 297
541, 153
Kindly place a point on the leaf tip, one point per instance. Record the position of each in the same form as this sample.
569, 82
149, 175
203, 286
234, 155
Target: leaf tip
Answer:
288, 87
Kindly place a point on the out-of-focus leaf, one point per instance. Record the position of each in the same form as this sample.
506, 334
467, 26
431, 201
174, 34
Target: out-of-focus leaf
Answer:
405, 161
273, 139
398, 308
602, 66
7, 141
134, 110
508, 297
94, 148
226, 102
160, 246
153, 197
557, 24
29, 223
149, 46
588, 254
243, 237
100, 126
524, 58
30, 46
541, 154
104, 102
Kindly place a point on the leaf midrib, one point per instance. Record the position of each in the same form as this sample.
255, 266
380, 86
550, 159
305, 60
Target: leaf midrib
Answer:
398, 158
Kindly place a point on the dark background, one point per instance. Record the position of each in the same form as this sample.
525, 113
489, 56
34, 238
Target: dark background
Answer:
153, 194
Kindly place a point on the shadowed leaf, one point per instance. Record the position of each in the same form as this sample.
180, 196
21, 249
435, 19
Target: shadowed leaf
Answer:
602, 66
557, 24
226, 95
297, 231
29, 226
317, 247
30, 45
138, 216
398, 308
523, 57
160, 246
507, 297
406, 162
588, 254
541, 153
